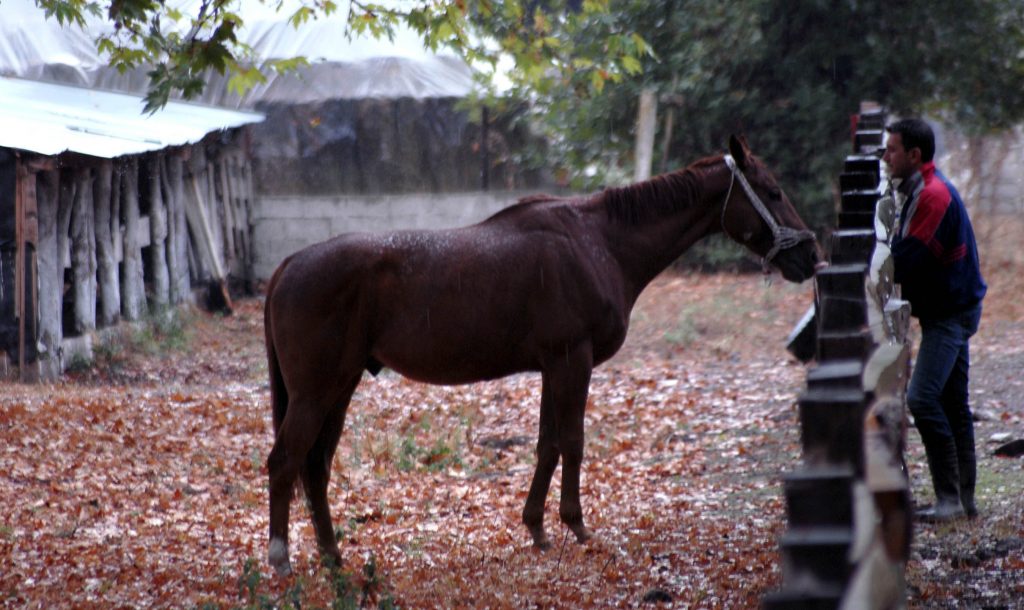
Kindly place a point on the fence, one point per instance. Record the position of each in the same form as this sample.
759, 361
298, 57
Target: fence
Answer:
848, 504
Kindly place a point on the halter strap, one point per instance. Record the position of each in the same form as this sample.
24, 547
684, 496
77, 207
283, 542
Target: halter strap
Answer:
783, 237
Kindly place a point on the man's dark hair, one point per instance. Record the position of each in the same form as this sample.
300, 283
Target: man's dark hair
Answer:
915, 133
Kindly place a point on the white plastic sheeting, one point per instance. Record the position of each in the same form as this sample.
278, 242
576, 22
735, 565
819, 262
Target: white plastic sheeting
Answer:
32, 46
49, 119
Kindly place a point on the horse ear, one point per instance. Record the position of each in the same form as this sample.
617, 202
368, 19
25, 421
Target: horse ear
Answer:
739, 150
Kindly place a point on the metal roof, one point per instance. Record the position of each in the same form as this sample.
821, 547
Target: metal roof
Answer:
49, 119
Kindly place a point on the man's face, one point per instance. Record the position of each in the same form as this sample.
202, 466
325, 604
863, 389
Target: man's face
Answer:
902, 163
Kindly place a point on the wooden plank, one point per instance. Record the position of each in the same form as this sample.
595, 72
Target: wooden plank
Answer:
224, 201
203, 232
250, 196
27, 235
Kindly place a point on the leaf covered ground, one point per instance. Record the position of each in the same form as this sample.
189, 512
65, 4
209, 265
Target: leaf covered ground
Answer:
140, 481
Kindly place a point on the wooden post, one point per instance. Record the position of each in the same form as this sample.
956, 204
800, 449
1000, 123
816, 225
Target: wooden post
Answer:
248, 190
50, 270
66, 203
83, 252
133, 288
27, 232
228, 211
157, 234
646, 122
109, 284
177, 229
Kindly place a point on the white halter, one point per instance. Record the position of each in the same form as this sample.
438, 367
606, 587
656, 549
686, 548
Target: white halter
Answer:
782, 237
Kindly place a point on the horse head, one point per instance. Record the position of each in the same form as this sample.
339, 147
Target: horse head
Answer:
759, 216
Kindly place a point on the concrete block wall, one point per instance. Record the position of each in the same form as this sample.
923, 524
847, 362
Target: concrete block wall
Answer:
284, 224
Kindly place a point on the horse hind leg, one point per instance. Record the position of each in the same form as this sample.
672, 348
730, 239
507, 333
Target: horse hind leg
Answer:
316, 474
298, 433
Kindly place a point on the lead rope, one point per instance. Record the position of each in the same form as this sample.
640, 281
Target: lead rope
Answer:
782, 237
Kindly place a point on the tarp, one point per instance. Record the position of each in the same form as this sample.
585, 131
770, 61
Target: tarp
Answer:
32, 46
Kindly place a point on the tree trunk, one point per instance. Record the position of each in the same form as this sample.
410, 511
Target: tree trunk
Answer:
109, 284
51, 274
646, 124
66, 203
133, 287
83, 253
157, 235
177, 230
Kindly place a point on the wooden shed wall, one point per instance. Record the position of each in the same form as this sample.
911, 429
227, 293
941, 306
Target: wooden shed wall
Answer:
100, 241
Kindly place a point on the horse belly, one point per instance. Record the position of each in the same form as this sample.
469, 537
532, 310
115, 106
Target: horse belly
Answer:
430, 360
453, 344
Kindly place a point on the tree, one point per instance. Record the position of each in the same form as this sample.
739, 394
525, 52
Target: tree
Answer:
788, 74
181, 45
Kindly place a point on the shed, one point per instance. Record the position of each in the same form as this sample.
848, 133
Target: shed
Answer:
107, 214
372, 135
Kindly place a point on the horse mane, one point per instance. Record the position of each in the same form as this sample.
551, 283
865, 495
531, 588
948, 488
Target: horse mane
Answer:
652, 199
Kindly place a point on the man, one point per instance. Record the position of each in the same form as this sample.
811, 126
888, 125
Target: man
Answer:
936, 262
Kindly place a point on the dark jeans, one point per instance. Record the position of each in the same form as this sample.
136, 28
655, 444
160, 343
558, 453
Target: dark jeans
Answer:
937, 396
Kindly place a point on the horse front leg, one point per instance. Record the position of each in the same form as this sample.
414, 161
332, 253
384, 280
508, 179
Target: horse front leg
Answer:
571, 390
566, 381
547, 460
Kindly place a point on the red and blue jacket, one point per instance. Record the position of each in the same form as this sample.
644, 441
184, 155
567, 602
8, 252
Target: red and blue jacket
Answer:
935, 253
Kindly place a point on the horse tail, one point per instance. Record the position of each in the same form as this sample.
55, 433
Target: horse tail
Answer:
278, 390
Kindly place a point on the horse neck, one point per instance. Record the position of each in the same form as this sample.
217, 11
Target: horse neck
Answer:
652, 223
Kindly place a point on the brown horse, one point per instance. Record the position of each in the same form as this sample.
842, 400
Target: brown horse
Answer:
546, 285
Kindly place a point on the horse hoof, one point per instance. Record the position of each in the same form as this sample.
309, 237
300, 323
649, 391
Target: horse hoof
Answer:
331, 562
540, 540
582, 534
278, 557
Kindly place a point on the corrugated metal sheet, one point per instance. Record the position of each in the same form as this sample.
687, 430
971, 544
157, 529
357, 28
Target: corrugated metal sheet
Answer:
49, 119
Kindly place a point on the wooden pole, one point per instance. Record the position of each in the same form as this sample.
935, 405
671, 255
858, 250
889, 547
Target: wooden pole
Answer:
133, 288
50, 270
109, 284
646, 123
27, 233
177, 229
158, 273
83, 252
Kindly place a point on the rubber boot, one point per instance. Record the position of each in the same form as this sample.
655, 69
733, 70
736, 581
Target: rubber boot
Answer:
968, 467
944, 466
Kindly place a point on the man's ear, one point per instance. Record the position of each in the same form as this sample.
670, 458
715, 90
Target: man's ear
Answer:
739, 150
